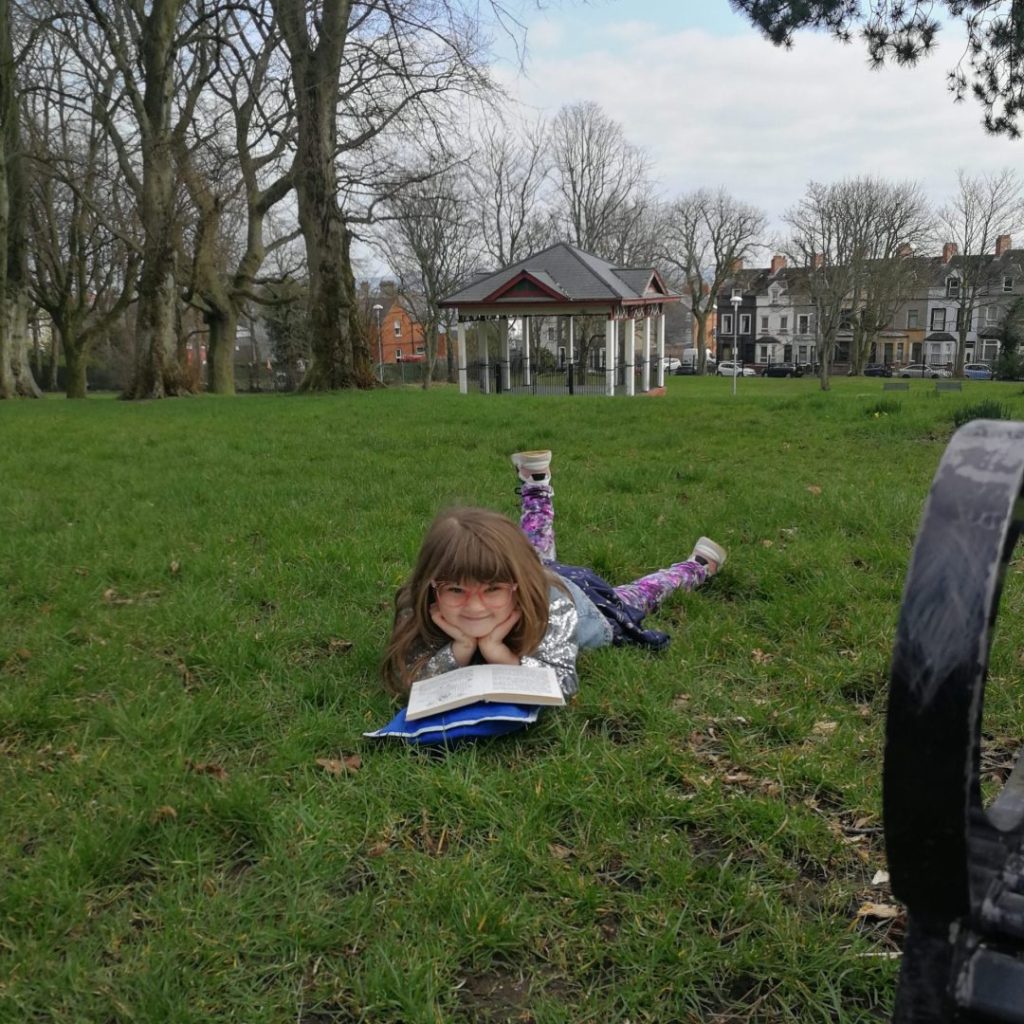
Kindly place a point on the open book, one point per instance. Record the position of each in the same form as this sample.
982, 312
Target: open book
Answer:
511, 684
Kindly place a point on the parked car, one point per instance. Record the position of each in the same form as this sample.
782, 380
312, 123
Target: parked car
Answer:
978, 371
782, 370
877, 370
921, 370
671, 364
731, 369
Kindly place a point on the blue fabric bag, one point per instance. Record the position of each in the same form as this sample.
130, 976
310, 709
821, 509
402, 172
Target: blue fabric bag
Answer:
474, 721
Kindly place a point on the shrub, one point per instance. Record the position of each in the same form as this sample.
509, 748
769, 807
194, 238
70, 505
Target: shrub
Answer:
989, 409
884, 407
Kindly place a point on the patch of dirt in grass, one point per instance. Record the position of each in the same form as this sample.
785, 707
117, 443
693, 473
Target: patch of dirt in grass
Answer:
863, 688
621, 730
328, 1013
621, 876
504, 996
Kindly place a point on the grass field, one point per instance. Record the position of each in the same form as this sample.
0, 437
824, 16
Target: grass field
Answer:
194, 596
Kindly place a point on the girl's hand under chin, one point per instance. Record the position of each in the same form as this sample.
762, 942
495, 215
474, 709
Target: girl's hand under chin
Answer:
463, 645
493, 647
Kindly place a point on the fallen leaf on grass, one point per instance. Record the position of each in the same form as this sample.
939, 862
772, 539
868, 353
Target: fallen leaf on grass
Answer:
342, 766
111, 596
767, 543
760, 657
559, 852
879, 911
164, 813
175, 567
338, 646
824, 728
814, 489
880, 878
207, 768
734, 778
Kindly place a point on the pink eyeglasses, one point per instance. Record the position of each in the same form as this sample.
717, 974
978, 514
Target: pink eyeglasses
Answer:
455, 595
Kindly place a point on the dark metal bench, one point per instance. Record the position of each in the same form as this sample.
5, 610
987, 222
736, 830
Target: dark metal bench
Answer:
895, 385
958, 866
949, 385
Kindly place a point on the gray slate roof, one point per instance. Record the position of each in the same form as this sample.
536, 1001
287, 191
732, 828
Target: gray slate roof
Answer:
573, 273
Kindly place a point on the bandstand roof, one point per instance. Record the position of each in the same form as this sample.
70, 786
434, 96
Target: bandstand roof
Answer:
561, 280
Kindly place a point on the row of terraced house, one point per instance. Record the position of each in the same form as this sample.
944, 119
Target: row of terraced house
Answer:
767, 315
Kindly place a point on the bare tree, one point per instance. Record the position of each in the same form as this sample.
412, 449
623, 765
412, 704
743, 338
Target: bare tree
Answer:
852, 237
85, 257
362, 71
604, 200
508, 178
705, 234
236, 161
983, 208
428, 242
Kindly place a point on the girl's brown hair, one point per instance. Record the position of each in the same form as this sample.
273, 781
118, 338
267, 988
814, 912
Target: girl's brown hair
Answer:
465, 544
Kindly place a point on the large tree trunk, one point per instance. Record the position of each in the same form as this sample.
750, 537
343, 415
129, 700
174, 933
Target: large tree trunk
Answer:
220, 353
75, 359
158, 372
341, 353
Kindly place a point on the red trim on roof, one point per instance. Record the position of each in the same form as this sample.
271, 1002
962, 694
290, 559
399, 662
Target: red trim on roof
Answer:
534, 289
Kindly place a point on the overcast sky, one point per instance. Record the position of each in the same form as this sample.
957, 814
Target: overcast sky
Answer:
714, 103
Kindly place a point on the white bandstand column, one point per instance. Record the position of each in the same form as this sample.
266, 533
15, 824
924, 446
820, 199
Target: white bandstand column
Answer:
630, 357
611, 347
647, 354
463, 376
506, 358
661, 350
572, 338
483, 355
527, 327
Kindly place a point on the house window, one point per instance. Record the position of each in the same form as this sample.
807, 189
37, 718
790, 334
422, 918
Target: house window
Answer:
960, 317
912, 319
551, 334
398, 355
744, 323
803, 324
420, 350
1007, 284
783, 324
764, 325
726, 323
991, 314
938, 319
802, 353
561, 356
899, 351
952, 287
398, 328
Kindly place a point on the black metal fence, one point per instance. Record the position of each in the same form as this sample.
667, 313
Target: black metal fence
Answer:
565, 378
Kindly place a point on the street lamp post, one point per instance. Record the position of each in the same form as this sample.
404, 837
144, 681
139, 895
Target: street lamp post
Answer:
380, 343
736, 300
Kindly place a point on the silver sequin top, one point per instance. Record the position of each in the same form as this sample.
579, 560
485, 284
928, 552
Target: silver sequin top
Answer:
557, 648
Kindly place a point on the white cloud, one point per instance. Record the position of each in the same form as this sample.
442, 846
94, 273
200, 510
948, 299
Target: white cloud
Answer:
737, 112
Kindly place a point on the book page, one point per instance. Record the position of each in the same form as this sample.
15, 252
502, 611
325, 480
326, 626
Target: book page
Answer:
481, 682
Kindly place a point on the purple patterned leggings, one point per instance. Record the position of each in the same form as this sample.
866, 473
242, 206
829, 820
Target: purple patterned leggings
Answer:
538, 523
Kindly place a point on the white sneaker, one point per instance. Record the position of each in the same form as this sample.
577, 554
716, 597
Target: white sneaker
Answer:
708, 553
533, 467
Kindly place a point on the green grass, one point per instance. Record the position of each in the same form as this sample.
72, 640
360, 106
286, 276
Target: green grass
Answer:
194, 596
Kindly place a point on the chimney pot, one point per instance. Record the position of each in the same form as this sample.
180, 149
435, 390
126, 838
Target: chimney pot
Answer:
1003, 243
948, 251
778, 262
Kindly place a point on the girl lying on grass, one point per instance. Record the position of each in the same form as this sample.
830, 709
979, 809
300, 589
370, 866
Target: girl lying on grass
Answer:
486, 591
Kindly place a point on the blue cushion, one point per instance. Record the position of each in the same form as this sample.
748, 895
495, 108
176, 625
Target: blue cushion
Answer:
483, 718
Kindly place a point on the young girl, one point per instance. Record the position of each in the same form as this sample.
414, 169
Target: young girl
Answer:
484, 590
